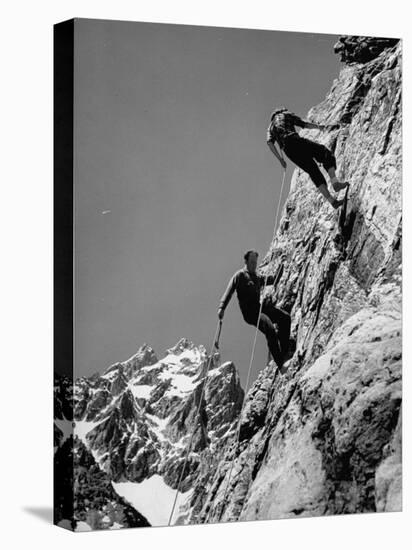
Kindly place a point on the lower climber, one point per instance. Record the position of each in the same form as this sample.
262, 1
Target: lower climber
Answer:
304, 152
248, 284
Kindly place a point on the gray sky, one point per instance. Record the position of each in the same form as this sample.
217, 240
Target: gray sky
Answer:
170, 127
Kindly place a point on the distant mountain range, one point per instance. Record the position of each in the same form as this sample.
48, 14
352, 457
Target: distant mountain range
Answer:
131, 430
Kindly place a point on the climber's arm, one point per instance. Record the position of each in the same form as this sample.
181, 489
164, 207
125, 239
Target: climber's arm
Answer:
313, 125
297, 121
227, 295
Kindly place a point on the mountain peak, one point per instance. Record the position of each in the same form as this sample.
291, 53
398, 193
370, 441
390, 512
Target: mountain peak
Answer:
182, 345
144, 356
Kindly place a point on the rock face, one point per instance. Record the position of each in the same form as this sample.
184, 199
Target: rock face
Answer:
84, 496
324, 437
137, 419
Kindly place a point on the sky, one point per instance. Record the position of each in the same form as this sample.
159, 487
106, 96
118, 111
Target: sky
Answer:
174, 179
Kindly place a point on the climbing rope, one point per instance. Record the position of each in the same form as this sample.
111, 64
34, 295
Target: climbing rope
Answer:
215, 344
254, 342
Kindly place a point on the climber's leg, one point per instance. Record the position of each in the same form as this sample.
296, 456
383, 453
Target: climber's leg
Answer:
266, 327
321, 154
283, 322
325, 192
310, 166
325, 157
336, 184
301, 151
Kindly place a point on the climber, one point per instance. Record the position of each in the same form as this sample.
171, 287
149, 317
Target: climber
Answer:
248, 284
304, 152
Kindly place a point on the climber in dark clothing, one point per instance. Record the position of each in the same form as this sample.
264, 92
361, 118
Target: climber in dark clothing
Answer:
304, 152
248, 285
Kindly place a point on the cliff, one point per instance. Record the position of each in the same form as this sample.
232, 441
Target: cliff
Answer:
324, 437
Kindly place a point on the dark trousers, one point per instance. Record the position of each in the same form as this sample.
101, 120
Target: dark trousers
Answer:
306, 153
278, 340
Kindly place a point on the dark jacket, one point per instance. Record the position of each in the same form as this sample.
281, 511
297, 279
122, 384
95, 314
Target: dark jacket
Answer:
248, 287
283, 126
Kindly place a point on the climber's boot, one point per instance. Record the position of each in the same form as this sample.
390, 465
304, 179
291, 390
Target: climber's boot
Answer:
337, 203
339, 185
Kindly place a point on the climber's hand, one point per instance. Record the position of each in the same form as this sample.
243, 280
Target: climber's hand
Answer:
332, 127
220, 314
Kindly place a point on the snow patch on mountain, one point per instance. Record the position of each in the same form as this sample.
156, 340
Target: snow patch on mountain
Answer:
153, 498
142, 391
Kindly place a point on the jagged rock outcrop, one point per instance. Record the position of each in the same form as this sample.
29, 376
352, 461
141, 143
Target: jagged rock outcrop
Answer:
324, 437
84, 496
137, 419
361, 49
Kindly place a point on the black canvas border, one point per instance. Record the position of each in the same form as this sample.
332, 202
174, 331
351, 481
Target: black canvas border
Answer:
63, 259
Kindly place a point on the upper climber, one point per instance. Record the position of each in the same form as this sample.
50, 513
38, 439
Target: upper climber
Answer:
302, 151
248, 284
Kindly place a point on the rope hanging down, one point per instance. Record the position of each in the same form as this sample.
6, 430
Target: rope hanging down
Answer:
215, 344
254, 341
